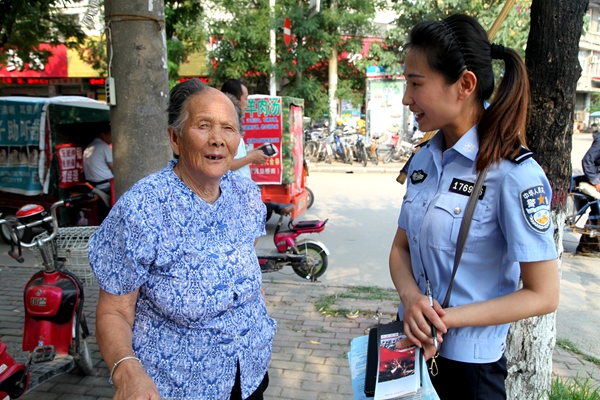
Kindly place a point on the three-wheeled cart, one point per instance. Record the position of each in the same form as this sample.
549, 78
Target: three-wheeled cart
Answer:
277, 121
41, 154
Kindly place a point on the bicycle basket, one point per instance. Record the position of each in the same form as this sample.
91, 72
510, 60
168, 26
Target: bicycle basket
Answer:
72, 245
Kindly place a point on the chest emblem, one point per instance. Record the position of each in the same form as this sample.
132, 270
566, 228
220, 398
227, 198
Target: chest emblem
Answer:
536, 208
418, 176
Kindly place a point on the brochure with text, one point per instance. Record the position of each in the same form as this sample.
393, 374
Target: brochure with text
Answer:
398, 368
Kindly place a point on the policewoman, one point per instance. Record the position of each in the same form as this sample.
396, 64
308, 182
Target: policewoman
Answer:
449, 78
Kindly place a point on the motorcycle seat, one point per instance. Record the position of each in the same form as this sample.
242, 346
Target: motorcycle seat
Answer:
307, 224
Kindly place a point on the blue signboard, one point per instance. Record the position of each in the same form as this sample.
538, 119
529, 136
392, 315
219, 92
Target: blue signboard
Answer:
20, 146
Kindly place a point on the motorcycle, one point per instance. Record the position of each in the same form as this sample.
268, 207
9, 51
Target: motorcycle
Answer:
308, 257
55, 328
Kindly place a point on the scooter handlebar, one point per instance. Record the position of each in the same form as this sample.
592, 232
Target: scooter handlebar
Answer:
52, 219
74, 199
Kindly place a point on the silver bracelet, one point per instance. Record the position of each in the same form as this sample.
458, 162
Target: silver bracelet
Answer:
110, 381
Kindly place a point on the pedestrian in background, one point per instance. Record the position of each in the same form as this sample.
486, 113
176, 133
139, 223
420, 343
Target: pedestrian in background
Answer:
98, 160
243, 159
594, 131
590, 246
449, 76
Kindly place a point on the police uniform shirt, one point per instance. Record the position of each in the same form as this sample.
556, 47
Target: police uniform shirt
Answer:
511, 224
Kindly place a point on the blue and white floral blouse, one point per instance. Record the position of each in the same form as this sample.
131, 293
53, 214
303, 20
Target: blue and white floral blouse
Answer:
199, 310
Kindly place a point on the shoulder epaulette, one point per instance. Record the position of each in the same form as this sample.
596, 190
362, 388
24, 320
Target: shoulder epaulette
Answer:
523, 155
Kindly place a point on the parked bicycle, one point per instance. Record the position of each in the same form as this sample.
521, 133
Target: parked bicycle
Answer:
318, 149
398, 151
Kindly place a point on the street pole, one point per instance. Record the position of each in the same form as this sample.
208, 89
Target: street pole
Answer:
333, 78
272, 82
137, 60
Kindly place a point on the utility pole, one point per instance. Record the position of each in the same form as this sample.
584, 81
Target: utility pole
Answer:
333, 80
137, 60
273, 56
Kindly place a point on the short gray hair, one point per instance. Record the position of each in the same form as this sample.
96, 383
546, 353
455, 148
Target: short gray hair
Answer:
238, 111
178, 99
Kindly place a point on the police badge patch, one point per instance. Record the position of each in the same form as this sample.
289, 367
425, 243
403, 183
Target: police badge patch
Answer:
536, 208
418, 176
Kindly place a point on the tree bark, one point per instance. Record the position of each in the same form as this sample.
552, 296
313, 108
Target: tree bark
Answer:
137, 48
553, 67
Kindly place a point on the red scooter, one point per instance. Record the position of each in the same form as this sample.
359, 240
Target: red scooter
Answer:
308, 257
55, 328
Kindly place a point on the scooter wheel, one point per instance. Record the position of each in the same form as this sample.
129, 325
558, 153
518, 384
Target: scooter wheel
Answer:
316, 261
311, 197
84, 358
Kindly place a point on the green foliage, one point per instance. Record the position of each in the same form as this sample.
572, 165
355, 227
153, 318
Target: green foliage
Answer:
326, 304
242, 48
595, 103
513, 32
26, 24
574, 389
185, 33
302, 68
93, 52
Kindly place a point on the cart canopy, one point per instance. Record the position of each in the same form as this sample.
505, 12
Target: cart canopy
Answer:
30, 129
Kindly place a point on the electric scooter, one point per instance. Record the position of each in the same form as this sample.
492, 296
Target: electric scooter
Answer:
308, 257
55, 328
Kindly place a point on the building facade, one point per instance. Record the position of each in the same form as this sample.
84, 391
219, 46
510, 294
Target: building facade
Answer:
588, 86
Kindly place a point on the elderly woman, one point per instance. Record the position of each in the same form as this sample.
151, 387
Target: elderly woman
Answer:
180, 312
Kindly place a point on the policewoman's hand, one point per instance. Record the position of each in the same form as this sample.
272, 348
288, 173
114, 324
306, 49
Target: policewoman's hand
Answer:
418, 317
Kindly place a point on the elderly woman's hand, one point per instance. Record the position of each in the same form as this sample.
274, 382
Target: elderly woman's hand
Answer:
132, 383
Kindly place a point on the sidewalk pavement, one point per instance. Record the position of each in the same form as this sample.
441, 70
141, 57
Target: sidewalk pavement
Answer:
309, 352
336, 166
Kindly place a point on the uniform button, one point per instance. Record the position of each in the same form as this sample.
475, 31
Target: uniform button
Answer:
404, 198
414, 238
420, 273
457, 210
424, 203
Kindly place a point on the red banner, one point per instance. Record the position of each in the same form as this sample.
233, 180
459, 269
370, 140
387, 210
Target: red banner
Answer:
262, 125
70, 165
56, 67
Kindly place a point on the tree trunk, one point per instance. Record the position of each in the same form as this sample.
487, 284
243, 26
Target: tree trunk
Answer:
137, 49
553, 67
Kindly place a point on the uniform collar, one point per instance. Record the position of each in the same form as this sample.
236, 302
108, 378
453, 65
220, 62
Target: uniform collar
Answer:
468, 144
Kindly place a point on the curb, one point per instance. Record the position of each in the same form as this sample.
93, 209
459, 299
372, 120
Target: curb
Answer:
351, 169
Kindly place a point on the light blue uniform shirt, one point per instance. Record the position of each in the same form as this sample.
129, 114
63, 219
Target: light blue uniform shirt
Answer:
511, 224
